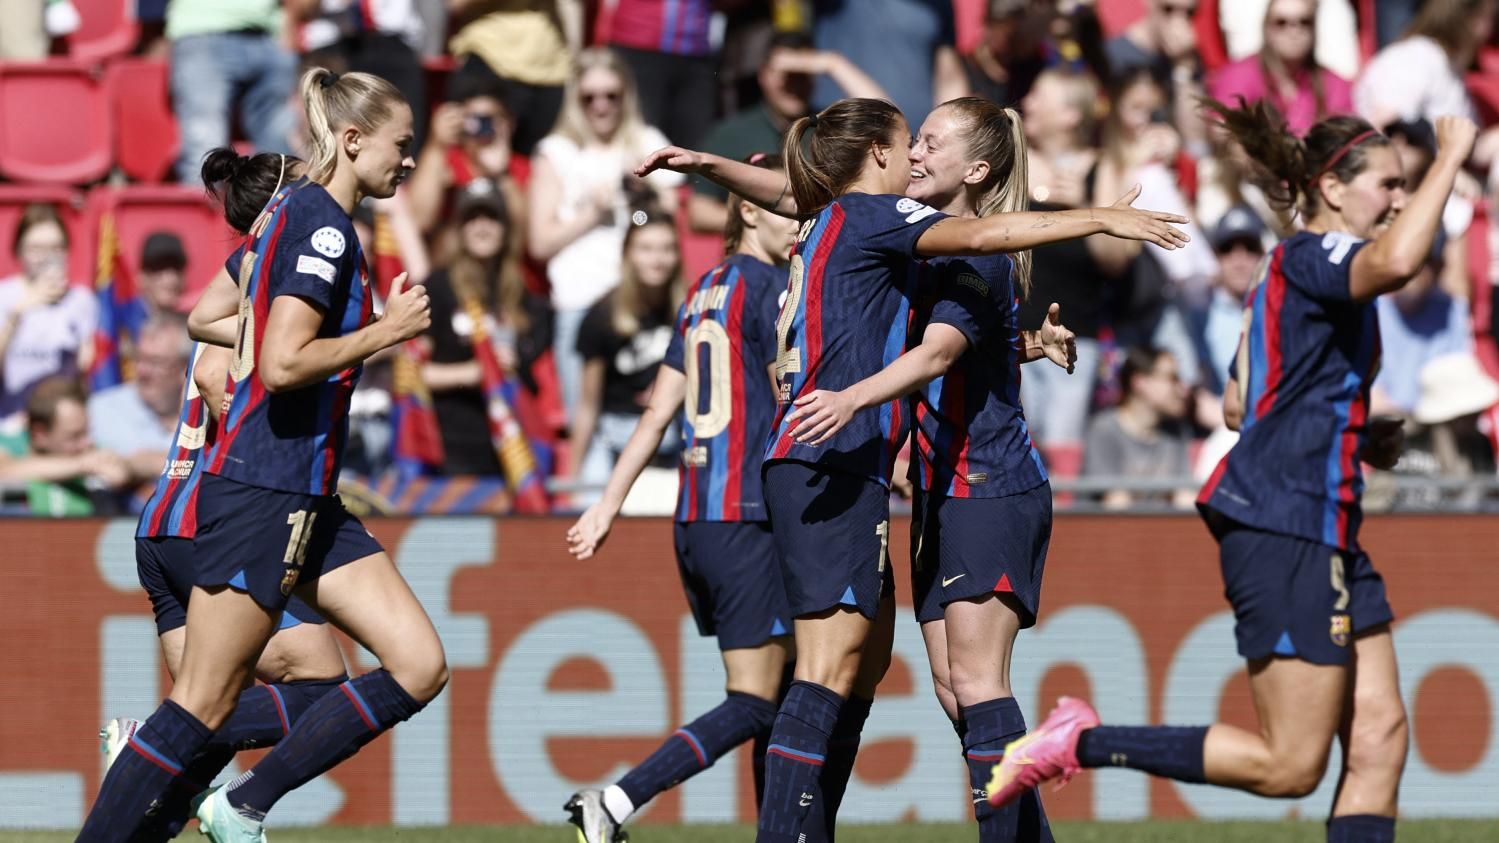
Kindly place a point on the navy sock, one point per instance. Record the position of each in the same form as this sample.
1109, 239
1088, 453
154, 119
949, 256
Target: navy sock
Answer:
1361, 828
143, 775
694, 747
794, 760
1171, 751
263, 716
991, 726
334, 728
843, 748
762, 739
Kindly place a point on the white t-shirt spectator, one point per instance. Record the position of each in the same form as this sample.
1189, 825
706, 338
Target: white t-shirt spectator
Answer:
1409, 79
45, 343
587, 268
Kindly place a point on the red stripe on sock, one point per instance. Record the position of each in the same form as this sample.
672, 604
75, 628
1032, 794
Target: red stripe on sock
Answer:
692, 746
358, 709
798, 758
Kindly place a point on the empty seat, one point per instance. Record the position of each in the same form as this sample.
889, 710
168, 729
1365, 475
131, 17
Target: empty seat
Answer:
146, 140
54, 123
107, 29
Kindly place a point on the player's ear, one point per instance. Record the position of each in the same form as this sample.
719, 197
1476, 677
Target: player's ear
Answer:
1331, 190
352, 139
749, 214
977, 172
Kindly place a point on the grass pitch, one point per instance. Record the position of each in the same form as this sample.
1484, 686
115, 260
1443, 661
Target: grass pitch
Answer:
1410, 831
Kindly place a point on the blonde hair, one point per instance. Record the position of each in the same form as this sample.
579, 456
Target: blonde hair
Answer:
1080, 91
571, 122
996, 136
334, 100
628, 303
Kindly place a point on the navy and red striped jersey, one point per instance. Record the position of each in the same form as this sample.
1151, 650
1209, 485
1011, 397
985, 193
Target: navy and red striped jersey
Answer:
725, 343
845, 318
172, 509
1305, 365
677, 27
302, 245
969, 437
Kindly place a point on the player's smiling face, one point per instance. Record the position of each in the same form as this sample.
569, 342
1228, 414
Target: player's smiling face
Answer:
896, 157
939, 162
1372, 200
384, 159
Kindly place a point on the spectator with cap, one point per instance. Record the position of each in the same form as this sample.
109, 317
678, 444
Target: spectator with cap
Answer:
1417, 324
1443, 440
484, 280
786, 77
162, 277
228, 55
63, 473
135, 420
1239, 243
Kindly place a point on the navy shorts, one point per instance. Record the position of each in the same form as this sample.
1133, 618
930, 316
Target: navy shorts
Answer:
832, 533
733, 581
165, 568
962, 548
265, 542
1298, 598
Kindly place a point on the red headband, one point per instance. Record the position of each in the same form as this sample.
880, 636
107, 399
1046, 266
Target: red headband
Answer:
1342, 150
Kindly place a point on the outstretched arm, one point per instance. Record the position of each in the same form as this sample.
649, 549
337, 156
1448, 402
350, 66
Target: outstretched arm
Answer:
766, 188
1028, 229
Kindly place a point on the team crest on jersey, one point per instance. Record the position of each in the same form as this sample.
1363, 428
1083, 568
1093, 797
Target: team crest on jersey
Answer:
329, 241
1342, 627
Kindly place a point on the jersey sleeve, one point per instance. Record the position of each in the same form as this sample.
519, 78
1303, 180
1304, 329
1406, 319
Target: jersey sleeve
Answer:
676, 350
309, 258
1321, 268
235, 260
965, 302
889, 225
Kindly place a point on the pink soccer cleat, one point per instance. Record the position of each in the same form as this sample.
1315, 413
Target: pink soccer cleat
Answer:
1049, 752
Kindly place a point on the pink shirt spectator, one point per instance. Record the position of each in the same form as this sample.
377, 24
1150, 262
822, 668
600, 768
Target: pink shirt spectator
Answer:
1246, 78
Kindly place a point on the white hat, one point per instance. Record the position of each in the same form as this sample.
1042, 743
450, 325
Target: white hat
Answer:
1453, 386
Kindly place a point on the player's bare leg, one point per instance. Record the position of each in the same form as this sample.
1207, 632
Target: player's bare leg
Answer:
1375, 739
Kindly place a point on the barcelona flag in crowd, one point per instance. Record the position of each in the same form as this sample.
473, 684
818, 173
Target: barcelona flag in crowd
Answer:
415, 441
121, 311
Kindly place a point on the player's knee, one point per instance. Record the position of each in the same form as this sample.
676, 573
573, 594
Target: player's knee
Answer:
970, 686
1295, 777
421, 670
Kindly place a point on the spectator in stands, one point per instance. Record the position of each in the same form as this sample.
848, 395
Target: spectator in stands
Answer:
668, 49
1239, 241
909, 47
471, 139
135, 420
1146, 436
786, 77
1164, 42
228, 54
1421, 75
622, 342
484, 280
64, 474
161, 279
1337, 44
1286, 71
1417, 324
1455, 391
380, 38
1008, 57
582, 194
517, 51
46, 326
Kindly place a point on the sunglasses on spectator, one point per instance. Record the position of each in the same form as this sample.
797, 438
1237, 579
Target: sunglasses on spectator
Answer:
1291, 23
610, 96
1185, 10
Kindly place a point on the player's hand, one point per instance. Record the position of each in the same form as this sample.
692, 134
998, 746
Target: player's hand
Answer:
1385, 442
1057, 342
1455, 137
1121, 220
821, 414
585, 537
408, 311
673, 158
900, 479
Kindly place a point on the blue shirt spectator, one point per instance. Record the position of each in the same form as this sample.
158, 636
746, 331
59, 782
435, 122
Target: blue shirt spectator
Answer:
907, 46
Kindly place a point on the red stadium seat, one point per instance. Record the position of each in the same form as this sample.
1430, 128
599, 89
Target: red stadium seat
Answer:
54, 123
107, 29
15, 197
147, 140
140, 210
699, 251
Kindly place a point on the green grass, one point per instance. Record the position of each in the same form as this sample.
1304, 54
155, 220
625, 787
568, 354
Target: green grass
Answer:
1411, 831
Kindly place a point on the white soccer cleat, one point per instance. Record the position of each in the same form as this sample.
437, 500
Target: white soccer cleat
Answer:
595, 823
113, 737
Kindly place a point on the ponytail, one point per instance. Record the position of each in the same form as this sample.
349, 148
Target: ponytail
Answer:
997, 137
334, 101
243, 185
836, 139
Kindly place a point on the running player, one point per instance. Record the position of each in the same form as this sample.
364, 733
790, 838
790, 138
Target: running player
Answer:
844, 319
982, 504
721, 361
1311, 616
302, 661
268, 521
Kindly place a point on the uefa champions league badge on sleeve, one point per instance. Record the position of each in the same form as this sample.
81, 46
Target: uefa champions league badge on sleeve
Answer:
328, 241
915, 211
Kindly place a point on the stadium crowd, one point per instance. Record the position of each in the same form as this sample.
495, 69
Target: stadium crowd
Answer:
555, 275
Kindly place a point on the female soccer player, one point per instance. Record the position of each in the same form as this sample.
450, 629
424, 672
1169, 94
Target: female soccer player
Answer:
844, 319
720, 363
982, 502
1311, 616
268, 521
